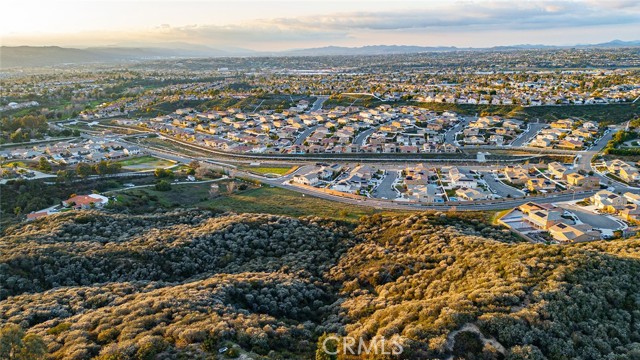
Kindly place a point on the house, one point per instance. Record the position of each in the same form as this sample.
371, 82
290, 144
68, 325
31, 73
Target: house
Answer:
426, 193
577, 180
615, 165
606, 200
562, 124
570, 144
573, 233
629, 174
557, 170
86, 201
537, 184
310, 179
543, 218
38, 214
531, 206
540, 142
630, 212
471, 194
131, 150
516, 174
459, 179
496, 139
632, 198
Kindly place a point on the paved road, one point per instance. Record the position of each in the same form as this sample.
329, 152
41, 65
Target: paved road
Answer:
499, 187
528, 135
317, 105
584, 163
450, 135
305, 134
385, 190
361, 137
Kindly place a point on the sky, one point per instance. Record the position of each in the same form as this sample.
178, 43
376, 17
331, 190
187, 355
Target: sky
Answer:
287, 24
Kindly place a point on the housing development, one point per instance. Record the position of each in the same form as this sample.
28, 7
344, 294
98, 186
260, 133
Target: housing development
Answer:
487, 136
328, 180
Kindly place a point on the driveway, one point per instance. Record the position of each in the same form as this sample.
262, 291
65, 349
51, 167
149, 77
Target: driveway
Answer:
499, 187
596, 220
385, 189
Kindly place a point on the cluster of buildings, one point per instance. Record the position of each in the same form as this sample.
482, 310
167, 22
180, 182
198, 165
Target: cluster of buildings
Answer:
317, 175
73, 152
551, 219
384, 129
623, 170
431, 185
566, 134
491, 130
557, 176
359, 180
563, 226
625, 206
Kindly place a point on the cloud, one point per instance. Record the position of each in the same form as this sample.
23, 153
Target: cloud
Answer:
473, 17
488, 14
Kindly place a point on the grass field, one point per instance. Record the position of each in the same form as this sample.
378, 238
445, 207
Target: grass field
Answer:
145, 163
21, 164
264, 199
263, 170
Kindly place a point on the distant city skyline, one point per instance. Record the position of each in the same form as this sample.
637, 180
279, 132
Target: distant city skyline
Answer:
281, 25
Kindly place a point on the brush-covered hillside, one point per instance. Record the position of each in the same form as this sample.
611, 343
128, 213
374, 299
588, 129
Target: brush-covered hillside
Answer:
186, 284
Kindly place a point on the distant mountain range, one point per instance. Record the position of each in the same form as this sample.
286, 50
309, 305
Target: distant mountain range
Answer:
30, 56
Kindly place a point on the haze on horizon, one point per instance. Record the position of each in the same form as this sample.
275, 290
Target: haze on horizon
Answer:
287, 24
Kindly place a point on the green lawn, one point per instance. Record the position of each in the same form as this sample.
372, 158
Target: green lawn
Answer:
269, 169
145, 163
21, 164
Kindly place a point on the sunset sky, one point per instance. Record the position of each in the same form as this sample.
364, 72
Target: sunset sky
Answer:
280, 25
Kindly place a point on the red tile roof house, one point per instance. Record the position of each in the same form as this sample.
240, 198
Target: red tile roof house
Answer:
85, 201
36, 215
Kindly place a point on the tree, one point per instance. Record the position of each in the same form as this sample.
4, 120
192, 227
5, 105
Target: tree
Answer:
62, 175
163, 173
101, 168
163, 185
83, 169
15, 345
43, 164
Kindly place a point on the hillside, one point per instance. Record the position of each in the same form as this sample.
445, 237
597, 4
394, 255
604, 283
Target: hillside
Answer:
187, 282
